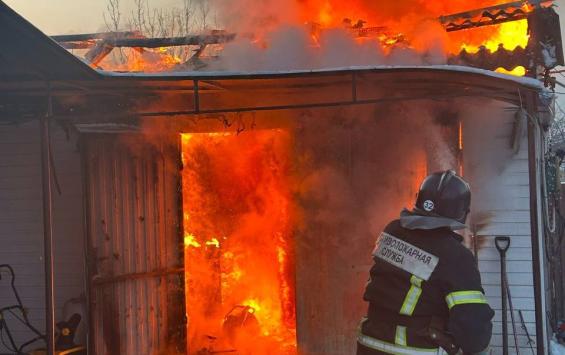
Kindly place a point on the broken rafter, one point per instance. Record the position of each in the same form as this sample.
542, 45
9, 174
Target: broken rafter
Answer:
196, 40
493, 15
89, 40
93, 36
98, 52
135, 39
100, 49
78, 45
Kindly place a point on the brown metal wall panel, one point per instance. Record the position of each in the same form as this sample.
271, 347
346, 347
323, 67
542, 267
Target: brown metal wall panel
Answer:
135, 245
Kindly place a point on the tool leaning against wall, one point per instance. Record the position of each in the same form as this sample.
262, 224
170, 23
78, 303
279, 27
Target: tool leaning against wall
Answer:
502, 244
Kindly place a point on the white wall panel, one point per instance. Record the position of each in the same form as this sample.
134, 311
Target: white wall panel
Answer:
21, 223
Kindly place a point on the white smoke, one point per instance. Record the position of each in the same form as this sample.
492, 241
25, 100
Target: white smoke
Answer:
294, 48
488, 156
282, 35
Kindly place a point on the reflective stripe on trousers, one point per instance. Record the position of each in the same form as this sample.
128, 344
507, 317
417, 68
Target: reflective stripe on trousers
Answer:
400, 336
389, 348
399, 348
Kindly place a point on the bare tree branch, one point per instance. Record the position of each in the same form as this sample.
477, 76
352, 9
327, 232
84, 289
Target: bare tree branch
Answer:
112, 16
204, 9
192, 17
186, 17
137, 18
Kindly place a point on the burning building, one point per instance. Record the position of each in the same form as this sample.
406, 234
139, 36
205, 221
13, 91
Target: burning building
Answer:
208, 212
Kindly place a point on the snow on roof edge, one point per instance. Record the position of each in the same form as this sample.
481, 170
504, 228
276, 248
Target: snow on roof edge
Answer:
525, 81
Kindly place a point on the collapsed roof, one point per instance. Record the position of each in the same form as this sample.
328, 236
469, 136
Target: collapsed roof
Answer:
81, 93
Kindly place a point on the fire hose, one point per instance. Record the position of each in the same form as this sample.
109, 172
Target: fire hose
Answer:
502, 244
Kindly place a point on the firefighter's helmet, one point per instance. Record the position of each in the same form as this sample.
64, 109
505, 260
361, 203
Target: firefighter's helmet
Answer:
445, 194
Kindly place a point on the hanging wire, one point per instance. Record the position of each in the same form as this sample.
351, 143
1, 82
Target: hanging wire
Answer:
4, 342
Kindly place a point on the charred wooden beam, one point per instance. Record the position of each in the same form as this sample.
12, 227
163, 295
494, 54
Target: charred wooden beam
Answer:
194, 61
101, 48
197, 40
93, 36
492, 15
136, 39
98, 52
78, 45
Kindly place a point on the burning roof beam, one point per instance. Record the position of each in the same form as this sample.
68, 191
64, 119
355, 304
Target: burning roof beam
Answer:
92, 36
107, 42
493, 15
136, 40
197, 40
98, 52
89, 40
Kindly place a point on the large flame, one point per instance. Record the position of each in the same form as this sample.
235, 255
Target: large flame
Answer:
384, 24
140, 60
406, 16
238, 251
406, 19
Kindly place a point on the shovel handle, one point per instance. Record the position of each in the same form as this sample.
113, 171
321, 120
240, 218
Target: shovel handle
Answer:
502, 244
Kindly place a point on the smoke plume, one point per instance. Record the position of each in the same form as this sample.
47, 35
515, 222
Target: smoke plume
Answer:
314, 34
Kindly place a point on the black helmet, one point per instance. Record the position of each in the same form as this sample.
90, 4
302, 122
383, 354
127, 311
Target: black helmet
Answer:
444, 194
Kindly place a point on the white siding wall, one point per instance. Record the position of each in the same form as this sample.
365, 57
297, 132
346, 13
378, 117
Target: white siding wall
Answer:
21, 224
509, 207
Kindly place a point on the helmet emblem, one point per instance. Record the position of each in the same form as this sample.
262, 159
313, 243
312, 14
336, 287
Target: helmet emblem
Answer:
429, 205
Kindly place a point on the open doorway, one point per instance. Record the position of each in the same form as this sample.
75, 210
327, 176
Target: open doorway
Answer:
238, 238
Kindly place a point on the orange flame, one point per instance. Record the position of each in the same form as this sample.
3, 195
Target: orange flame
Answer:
405, 17
235, 186
141, 60
510, 35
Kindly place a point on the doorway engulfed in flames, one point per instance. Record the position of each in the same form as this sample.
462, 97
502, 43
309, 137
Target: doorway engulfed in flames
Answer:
239, 263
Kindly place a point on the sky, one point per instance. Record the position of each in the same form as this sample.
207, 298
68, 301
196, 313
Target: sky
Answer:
56, 17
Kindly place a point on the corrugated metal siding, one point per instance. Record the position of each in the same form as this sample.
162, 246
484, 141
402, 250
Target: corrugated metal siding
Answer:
21, 228
510, 216
135, 250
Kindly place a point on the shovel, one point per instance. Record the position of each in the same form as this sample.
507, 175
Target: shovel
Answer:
502, 244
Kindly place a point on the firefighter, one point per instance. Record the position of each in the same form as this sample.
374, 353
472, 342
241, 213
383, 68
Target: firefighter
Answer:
424, 292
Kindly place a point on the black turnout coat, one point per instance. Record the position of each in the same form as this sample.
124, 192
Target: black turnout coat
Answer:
402, 305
